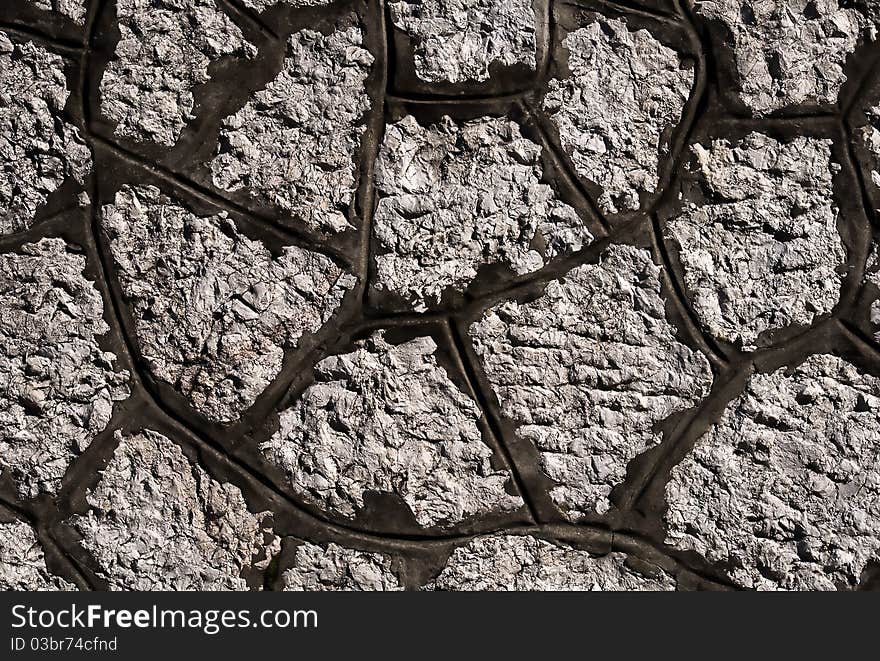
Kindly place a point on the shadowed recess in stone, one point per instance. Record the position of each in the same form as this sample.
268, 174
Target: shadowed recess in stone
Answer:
625, 92
458, 40
762, 252
334, 568
789, 52
214, 311
22, 564
164, 51
388, 418
75, 10
158, 522
57, 387
523, 563
39, 150
785, 489
587, 370
263, 5
295, 144
455, 196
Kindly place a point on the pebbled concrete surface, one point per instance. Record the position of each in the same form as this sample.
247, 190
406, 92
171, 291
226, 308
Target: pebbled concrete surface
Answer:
439, 295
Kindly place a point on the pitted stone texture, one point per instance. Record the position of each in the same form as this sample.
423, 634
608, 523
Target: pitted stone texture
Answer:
57, 387
389, 419
214, 310
789, 52
164, 51
519, 563
295, 145
785, 489
458, 40
763, 251
22, 563
870, 137
625, 91
588, 370
334, 567
75, 10
456, 196
159, 522
263, 5
39, 150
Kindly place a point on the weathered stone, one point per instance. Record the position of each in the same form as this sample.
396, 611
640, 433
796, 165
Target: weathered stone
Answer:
389, 419
784, 491
57, 387
296, 143
870, 138
22, 563
458, 40
625, 92
521, 563
455, 196
214, 310
159, 522
263, 5
164, 51
75, 10
762, 252
39, 149
787, 53
588, 370
334, 567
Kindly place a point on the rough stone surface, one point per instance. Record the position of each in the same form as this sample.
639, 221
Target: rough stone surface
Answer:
75, 10
625, 91
787, 53
39, 150
159, 522
164, 51
459, 40
330, 568
870, 137
57, 387
388, 418
296, 143
522, 563
587, 371
22, 564
214, 310
263, 5
455, 196
785, 488
762, 252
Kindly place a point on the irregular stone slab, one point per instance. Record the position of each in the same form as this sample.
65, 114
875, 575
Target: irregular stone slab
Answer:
75, 10
520, 563
163, 53
588, 370
214, 310
57, 387
762, 251
295, 145
389, 419
159, 522
335, 568
455, 196
787, 53
784, 490
39, 150
625, 91
22, 563
458, 40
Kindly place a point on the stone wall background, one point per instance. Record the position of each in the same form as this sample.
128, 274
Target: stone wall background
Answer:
449, 294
